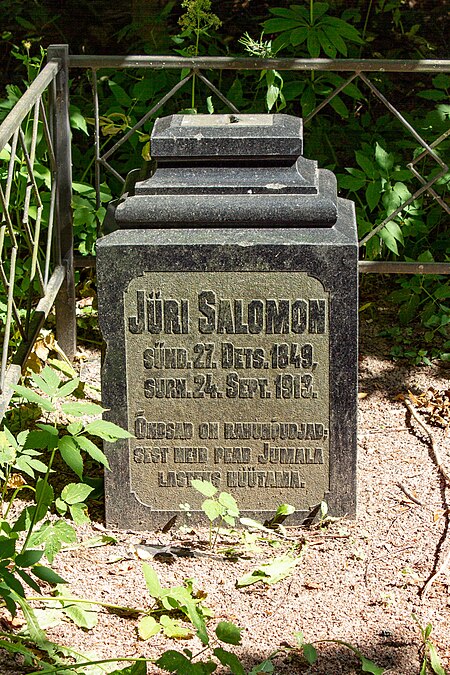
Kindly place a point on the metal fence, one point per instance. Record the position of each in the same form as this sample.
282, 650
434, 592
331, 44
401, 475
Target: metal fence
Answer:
355, 69
28, 191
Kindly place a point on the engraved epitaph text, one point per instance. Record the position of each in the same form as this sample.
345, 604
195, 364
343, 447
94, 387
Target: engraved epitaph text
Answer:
228, 381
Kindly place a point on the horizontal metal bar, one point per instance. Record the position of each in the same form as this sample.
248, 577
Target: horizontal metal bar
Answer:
23, 106
364, 266
394, 267
243, 63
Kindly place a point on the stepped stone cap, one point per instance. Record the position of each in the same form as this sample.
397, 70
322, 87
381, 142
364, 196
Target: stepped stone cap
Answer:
234, 135
228, 171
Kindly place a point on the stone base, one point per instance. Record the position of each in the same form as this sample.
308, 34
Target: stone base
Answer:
232, 356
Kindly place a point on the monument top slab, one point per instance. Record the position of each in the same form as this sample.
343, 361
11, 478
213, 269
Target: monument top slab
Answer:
254, 136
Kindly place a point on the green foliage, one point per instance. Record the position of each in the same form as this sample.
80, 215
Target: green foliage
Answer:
170, 602
222, 507
271, 572
310, 654
43, 537
430, 657
423, 298
321, 33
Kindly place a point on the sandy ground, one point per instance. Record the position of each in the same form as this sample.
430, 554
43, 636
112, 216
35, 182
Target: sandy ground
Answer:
357, 581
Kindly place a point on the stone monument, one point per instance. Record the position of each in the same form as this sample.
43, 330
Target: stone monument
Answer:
228, 305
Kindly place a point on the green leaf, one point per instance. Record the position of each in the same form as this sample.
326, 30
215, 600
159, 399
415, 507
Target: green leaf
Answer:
229, 502
284, 510
204, 487
120, 94
81, 613
299, 35
371, 667
77, 121
442, 292
351, 182
279, 25
74, 428
212, 509
33, 397
264, 667
29, 580
432, 95
36, 634
173, 628
408, 310
366, 164
147, 627
435, 661
373, 194
441, 81
108, 431
270, 573
151, 581
339, 106
272, 95
7, 547
313, 44
226, 658
71, 454
47, 574
28, 558
41, 439
174, 662
228, 632
88, 446
337, 40
80, 408
385, 160
310, 653
44, 498
391, 234
326, 44
53, 536
67, 388
74, 493
79, 514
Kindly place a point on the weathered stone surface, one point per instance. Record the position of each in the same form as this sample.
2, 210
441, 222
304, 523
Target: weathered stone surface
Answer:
278, 376
253, 167
230, 353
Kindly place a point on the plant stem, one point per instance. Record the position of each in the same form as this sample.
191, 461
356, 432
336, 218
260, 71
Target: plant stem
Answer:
217, 533
39, 502
75, 666
60, 598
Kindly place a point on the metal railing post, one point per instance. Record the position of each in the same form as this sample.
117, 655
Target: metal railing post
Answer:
60, 125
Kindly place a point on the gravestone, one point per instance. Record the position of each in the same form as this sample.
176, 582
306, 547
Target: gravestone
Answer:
228, 305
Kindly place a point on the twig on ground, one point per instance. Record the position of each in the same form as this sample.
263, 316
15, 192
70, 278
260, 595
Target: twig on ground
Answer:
409, 494
443, 471
433, 442
431, 580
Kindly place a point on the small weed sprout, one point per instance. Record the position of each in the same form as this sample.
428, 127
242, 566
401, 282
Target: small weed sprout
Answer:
222, 508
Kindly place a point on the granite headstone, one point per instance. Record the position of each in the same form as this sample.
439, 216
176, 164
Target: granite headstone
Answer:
228, 305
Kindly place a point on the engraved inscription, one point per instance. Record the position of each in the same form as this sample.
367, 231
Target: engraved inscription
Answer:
228, 381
